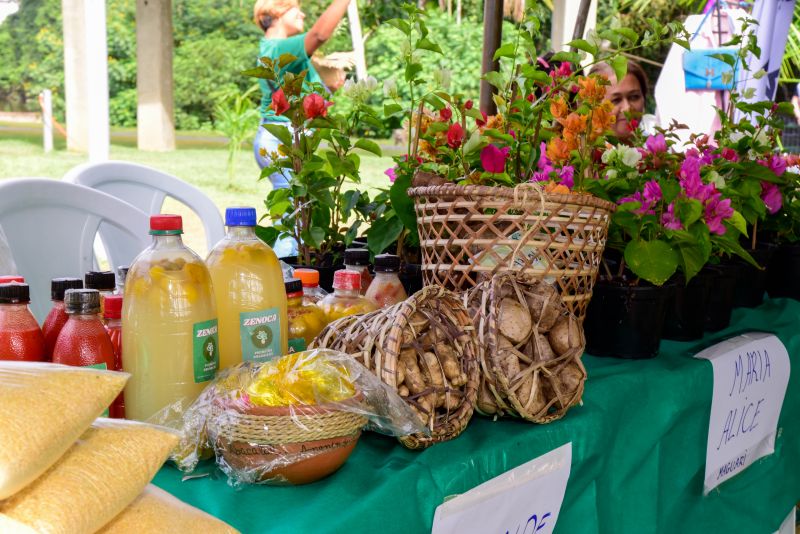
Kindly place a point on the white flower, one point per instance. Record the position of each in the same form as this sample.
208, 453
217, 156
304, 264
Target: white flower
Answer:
611, 174
715, 178
629, 155
735, 137
370, 84
608, 156
390, 88
442, 78
762, 137
349, 88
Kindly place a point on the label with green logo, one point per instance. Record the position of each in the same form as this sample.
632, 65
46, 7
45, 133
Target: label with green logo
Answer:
297, 344
205, 350
261, 335
104, 367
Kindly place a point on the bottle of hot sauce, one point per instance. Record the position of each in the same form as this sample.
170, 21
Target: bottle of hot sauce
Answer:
57, 317
20, 336
84, 342
112, 314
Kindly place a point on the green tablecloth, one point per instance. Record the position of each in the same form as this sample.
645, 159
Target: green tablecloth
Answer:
638, 460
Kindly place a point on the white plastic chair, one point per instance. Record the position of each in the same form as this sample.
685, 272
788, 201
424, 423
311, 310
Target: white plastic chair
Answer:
146, 188
51, 226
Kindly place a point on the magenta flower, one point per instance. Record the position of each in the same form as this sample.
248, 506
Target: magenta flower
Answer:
493, 159
716, 212
540, 176
566, 176
771, 196
656, 144
691, 182
670, 220
652, 192
391, 173
636, 197
730, 154
777, 164
564, 70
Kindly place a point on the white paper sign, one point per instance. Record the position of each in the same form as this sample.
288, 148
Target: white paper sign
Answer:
788, 525
751, 373
525, 500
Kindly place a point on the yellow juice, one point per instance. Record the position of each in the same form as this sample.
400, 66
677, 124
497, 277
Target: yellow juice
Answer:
250, 297
169, 328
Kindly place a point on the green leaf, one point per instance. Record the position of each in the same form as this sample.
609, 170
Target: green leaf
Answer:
628, 34
473, 143
620, 66
655, 261
427, 44
402, 204
285, 59
280, 131
391, 109
689, 211
401, 25
570, 57
369, 146
495, 78
738, 222
383, 233
259, 72
350, 199
314, 237
695, 251
507, 50
583, 44
267, 234
352, 233
412, 69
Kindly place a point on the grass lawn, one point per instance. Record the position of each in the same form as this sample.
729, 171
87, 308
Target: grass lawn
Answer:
21, 155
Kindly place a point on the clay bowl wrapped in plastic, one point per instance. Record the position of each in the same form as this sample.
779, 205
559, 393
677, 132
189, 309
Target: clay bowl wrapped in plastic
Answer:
293, 420
424, 348
530, 348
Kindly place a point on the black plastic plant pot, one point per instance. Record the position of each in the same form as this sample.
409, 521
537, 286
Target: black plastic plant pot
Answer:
783, 278
686, 308
721, 295
751, 283
625, 321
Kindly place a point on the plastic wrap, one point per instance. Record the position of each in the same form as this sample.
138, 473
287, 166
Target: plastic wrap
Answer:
101, 474
44, 408
292, 420
156, 510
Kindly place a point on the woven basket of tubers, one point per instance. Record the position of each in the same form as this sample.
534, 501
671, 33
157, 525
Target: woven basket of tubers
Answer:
530, 348
424, 347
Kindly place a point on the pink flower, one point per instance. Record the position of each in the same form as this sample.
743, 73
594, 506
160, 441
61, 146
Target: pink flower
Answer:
636, 197
771, 196
316, 106
716, 212
481, 123
730, 154
567, 175
656, 143
777, 164
468, 104
455, 135
563, 70
691, 182
391, 173
493, 159
670, 220
445, 113
652, 192
540, 176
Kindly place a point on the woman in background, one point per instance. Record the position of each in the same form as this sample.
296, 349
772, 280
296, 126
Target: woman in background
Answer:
282, 22
628, 97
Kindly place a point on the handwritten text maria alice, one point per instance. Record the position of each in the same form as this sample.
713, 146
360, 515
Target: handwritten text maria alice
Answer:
749, 369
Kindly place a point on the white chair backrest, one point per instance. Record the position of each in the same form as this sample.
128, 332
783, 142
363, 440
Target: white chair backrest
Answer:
146, 188
51, 226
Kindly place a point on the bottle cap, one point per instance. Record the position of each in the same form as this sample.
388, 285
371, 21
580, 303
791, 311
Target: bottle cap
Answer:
59, 285
112, 307
122, 274
344, 279
100, 280
387, 263
14, 293
6, 278
166, 225
293, 286
240, 216
356, 256
82, 301
309, 277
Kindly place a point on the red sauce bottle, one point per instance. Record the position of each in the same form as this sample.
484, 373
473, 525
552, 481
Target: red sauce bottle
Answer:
83, 341
20, 336
112, 315
6, 278
57, 317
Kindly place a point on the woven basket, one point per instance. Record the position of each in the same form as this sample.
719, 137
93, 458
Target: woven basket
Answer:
555, 382
468, 233
431, 322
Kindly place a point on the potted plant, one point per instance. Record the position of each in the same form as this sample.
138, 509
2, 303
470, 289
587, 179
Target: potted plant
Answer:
322, 209
472, 186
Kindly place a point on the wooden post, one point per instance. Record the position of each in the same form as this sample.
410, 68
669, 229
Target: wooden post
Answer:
492, 34
47, 120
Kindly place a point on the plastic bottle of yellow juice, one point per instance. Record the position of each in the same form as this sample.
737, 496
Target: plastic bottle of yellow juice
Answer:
169, 323
251, 300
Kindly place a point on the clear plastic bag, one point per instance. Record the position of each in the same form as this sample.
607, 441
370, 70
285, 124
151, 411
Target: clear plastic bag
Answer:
292, 420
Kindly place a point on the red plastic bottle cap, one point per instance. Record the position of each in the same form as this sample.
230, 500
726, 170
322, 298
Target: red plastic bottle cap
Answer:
166, 223
5, 279
309, 277
112, 307
345, 279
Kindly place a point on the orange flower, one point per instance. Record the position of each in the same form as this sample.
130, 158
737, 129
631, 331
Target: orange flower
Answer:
571, 140
558, 108
575, 123
591, 90
557, 150
496, 122
555, 188
602, 119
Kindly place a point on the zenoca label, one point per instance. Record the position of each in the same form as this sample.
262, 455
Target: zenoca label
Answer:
297, 344
205, 350
260, 332
104, 367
